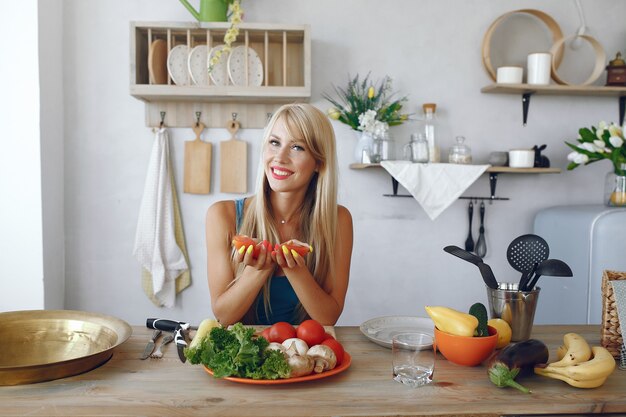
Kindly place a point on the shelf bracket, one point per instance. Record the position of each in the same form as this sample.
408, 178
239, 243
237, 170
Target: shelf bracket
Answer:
622, 107
394, 187
493, 180
525, 106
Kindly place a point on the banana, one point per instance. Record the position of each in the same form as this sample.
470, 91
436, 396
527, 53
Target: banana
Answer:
576, 348
589, 374
587, 383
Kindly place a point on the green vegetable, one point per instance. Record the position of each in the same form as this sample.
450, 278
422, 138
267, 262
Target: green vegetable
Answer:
479, 311
236, 352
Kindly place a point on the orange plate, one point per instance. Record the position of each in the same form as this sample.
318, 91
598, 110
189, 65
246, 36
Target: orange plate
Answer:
347, 359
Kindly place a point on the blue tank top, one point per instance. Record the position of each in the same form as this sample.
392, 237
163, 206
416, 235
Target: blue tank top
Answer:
283, 299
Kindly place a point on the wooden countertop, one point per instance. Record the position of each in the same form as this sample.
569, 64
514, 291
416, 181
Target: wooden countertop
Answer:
128, 386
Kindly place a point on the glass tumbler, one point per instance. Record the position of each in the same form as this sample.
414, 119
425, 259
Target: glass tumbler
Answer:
413, 358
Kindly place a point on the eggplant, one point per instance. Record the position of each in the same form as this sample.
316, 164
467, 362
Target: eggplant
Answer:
516, 359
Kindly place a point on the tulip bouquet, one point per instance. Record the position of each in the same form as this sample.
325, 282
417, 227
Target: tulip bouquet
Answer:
595, 144
367, 106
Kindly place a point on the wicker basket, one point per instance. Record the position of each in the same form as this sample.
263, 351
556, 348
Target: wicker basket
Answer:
611, 335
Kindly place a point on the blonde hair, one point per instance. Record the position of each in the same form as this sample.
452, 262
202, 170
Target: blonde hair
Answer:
318, 218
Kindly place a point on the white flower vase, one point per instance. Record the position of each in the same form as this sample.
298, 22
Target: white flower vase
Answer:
363, 149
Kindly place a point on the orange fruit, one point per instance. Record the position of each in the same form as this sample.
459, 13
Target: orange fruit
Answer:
504, 332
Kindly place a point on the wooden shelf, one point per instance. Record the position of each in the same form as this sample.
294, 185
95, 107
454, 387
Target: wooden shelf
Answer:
284, 51
527, 90
496, 170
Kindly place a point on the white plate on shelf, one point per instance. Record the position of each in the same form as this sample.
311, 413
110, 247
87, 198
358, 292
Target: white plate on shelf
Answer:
177, 65
382, 329
197, 65
237, 67
219, 74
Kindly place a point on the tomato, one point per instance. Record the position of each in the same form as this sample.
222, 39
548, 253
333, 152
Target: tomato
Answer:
311, 332
336, 347
328, 336
281, 331
240, 241
266, 333
300, 249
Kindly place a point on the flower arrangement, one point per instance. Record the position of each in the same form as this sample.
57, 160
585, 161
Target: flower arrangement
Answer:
367, 107
231, 34
595, 144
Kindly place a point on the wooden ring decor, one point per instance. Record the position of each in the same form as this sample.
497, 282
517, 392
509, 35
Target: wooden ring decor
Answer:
600, 59
557, 35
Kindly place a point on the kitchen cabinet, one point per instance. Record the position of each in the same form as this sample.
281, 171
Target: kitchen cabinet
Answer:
527, 90
284, 51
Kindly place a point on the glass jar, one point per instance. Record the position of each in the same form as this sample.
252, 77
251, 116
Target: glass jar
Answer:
615, 189
460, 153
382, 149
417, 149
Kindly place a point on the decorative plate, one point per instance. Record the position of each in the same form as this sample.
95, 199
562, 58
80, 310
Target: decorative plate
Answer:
237, 67
219, 74
347, 360
177, 65
197, 65
382, 329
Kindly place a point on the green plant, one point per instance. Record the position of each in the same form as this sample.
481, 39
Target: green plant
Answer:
367, 106
231, 34
595, 144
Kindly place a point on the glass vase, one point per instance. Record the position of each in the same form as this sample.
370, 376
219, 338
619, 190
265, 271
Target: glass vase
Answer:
615, 189
383, 148
364, 148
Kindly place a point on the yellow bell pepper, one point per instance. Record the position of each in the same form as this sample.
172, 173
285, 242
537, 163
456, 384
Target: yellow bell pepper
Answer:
452, 321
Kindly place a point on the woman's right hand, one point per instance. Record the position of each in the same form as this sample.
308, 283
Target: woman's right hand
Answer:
263, 261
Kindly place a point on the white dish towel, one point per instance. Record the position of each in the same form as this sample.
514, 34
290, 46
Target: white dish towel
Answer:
434, 186
155, 241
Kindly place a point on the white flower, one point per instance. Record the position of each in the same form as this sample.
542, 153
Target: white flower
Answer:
367, 120
615, 130
602, 125
588, 147
600, 145
616, 141
579, 158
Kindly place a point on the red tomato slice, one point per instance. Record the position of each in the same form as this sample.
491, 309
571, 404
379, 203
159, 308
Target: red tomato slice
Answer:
336, 347
311, 332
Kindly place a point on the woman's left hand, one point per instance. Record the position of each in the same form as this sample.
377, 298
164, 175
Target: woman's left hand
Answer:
287, 258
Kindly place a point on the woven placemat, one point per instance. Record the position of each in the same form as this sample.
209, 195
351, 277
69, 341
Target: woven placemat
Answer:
611, 332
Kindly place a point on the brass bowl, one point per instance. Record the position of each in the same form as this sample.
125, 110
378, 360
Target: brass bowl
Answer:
42, 345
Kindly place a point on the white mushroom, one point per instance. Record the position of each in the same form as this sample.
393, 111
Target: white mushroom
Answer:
300, 365
325, 358
277, 346
300, 346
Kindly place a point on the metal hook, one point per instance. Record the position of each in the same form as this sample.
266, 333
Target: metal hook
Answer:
198, 113
234, 116
162, 119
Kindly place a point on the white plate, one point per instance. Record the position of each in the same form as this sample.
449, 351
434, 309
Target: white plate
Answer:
219, 74
382, 329
237, 67
197, 65
177, 65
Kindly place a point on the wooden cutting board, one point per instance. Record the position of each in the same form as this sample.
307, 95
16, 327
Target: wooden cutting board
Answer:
233, 162
157, 62
197, 170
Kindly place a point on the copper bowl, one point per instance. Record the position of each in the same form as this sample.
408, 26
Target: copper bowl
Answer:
42, 345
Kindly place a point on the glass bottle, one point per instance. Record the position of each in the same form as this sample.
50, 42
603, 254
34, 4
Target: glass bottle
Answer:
615, 188
460, 153
417, 149
430, 122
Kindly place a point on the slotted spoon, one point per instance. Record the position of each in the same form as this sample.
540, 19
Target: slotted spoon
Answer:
525, 250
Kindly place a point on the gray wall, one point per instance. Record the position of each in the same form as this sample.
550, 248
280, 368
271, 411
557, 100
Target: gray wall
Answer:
431, 49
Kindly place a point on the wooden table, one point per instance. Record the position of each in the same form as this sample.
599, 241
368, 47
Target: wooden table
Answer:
129, 386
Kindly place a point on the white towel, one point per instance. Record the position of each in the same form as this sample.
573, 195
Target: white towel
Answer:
434, 186
155, 242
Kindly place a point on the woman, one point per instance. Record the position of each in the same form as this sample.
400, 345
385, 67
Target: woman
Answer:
296, 199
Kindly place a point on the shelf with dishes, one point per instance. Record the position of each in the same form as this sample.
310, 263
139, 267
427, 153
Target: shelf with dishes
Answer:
527, 90
268, 65
493, 172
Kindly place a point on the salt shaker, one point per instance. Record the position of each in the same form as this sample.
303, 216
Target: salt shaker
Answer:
460, 153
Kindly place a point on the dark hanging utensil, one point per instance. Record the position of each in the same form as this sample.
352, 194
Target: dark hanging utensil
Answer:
469, 242
485, 270
481, 244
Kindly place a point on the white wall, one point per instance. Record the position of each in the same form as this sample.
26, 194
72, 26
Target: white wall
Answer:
431, 48
21, 239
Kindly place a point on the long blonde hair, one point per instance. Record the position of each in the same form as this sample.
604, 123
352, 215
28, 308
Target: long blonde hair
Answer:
318, 218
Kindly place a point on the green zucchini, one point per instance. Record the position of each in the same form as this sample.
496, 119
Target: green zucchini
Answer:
479, 311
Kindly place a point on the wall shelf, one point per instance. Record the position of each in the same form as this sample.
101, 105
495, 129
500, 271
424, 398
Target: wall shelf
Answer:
493, 178
527, 90
284, 51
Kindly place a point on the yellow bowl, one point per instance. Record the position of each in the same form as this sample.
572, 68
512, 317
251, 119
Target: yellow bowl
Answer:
465, 350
